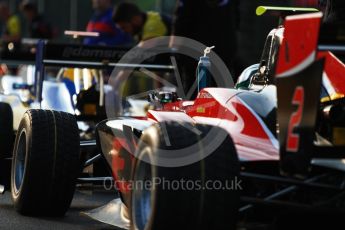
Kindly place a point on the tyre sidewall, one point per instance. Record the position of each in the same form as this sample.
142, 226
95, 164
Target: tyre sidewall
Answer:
24, 129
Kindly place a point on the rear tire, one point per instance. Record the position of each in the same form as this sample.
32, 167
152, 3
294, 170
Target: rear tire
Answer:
6, 130
46, 163
184, 208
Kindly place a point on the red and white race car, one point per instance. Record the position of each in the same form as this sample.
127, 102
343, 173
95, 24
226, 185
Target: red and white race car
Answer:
138, 149
204, 164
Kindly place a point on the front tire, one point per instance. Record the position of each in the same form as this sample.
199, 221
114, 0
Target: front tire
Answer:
45, 164
164, 207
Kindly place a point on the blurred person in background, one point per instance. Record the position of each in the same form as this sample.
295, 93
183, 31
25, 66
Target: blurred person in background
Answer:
142, 25
101, 22
38, 28
11, 24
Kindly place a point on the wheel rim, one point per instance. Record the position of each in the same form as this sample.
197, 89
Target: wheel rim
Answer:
19, 165
142, 195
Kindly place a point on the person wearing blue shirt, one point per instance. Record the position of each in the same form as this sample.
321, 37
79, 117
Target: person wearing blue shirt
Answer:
101, 22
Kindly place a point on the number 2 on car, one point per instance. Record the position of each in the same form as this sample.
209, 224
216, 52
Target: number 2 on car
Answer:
293, 139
